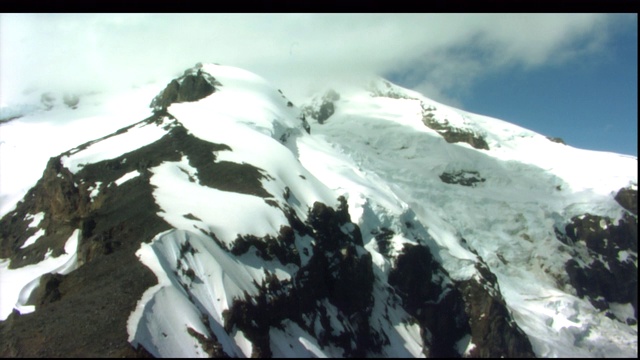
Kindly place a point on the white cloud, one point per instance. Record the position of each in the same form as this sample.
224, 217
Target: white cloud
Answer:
442, 53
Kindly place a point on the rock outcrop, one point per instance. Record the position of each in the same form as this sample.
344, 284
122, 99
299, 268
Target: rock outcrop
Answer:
628, 199
114, 220
462, 177
193, 85
447, 310
451, 133
324, 108
281, 268
604, 264
99, 297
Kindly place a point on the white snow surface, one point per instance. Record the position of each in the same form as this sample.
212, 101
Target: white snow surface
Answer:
295, 342
27, 143
37, 218
222, 212
221, 277
391, 157
376, 152
112, 147
126, 177
17, 284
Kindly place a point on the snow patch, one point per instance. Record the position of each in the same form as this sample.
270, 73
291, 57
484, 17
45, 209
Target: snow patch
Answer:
411, 332
94, 190
36, 219
17, 284
622, 311
33, 238
35, 222
114, 146
625, 255
244, 344
217, 278
294, 342
126, 177
222, 213
464, 345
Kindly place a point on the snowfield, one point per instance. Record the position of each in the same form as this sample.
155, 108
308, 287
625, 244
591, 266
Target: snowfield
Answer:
376, 152
27, 143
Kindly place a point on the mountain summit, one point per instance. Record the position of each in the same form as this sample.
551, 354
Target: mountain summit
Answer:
369, 221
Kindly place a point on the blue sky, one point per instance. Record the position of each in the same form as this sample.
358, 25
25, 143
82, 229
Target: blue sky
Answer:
572, 76
589, 99
591, 102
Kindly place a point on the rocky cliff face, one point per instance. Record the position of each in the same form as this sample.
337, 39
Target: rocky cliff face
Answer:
193, 85
604, 264
148, 279
93, 303
323, 108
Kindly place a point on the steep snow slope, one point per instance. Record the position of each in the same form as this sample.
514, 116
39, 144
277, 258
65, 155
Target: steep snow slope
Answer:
528, 187
397, 227
245, 217
27, 143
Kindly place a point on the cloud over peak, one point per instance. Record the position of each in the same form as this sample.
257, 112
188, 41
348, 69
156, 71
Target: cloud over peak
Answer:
433, 52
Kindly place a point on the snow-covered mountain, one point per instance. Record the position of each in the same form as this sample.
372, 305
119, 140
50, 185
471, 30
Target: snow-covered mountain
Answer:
223, 220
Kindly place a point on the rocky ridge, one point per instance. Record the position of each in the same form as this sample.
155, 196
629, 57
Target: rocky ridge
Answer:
349, 304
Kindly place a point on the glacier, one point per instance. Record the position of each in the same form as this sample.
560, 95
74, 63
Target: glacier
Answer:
269, 229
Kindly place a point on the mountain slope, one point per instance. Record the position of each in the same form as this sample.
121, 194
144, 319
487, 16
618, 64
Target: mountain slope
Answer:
369, 222
512, 196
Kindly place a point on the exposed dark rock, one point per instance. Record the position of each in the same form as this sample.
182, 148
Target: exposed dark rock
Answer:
449, 311
462, 177
64, 203
336, 267
351, 291
493, 330
412, 278
190, 216
90, 317
269, 248
48, 291
335, 272
343, 217
458, 135
305, 124
450, 133
557, 140
326, 108
606, 270
194, 85
253, 318
382, 236
222, 175
92, 304
628, 199
210, 345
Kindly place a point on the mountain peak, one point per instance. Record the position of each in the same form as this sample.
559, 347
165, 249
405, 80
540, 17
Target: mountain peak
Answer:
193, 85
369, 221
